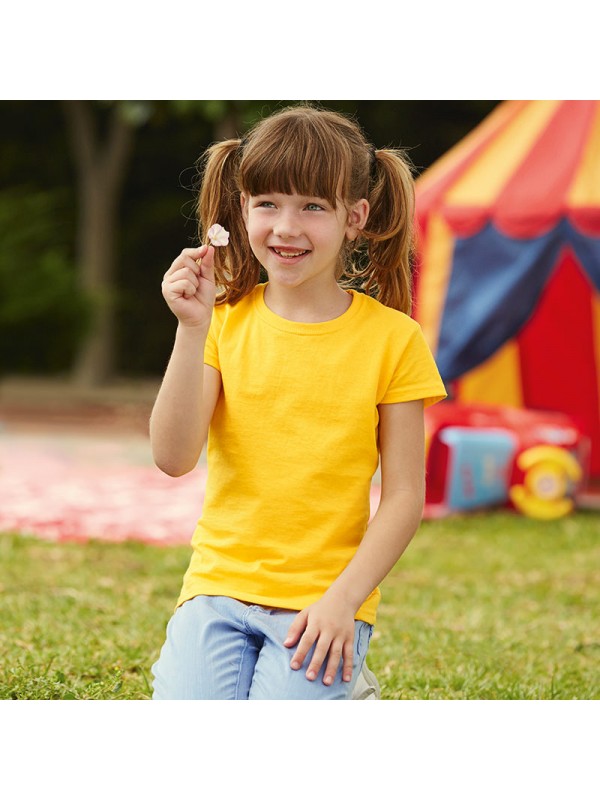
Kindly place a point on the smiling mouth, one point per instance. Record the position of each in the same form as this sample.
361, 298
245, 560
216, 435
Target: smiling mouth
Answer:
289, 253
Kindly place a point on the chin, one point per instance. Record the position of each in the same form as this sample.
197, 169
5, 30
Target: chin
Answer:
287, 279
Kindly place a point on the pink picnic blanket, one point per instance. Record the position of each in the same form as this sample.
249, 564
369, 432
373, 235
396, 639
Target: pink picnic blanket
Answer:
74, 487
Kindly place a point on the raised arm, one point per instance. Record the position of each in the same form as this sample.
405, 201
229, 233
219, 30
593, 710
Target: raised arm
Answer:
190, 389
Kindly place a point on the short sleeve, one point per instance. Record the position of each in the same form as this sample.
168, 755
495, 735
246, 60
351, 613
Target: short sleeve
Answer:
416, 376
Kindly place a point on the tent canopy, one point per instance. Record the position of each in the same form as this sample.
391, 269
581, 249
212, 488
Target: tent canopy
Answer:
508, 284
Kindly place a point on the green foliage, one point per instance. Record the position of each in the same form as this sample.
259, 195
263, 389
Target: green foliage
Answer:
34, 271
493, 606
489, 606
41, 310
211, 110
136, 112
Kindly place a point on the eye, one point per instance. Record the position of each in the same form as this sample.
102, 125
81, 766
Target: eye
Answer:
261, 201
314, 207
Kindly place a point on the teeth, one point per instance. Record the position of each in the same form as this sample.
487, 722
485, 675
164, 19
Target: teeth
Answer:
287, 254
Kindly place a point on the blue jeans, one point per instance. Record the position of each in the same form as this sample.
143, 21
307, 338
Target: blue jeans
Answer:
218, 648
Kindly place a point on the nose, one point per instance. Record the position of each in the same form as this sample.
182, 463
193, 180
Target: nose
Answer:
286, 224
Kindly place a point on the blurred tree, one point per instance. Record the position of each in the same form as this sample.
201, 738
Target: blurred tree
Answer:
102, 139
101, 160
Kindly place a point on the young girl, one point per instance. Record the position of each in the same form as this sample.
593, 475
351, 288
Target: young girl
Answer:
306, 383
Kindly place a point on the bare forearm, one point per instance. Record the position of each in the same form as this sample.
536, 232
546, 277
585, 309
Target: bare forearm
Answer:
385, 540
177, 428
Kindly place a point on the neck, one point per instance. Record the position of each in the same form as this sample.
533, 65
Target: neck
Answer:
304, 304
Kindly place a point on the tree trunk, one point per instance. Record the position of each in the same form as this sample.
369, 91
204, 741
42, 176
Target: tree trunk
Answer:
100, 168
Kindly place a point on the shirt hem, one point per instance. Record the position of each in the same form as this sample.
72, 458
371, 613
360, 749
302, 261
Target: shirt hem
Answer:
428, 400
362, 615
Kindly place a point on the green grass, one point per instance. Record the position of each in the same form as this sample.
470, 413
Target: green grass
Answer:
491, 606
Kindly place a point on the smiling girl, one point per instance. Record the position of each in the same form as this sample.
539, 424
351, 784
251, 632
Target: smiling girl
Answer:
303, 384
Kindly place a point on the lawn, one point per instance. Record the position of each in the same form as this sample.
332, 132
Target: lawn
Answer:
490, 606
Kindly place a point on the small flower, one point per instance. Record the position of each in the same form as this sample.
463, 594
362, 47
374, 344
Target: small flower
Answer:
218, 236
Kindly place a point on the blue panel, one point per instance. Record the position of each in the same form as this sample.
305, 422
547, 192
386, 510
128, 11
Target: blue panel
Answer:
587, 249
495, 286
479, 467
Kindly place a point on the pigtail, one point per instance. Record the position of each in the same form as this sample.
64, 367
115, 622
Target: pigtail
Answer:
236, 269
390, 230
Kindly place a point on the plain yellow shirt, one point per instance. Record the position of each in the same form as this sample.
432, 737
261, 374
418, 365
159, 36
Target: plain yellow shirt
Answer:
292, 446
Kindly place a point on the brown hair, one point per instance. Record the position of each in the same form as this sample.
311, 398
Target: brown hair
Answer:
319, 153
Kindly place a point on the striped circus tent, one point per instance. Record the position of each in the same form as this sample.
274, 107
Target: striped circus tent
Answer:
508, 277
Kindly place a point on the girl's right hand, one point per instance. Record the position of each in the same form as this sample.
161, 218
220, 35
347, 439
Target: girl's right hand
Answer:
189, 287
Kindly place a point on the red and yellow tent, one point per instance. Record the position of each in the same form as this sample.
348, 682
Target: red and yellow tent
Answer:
508, 280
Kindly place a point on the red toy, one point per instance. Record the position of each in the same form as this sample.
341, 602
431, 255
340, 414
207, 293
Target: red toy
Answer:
481, 455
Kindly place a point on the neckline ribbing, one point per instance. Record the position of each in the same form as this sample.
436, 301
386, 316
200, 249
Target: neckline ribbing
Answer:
305, 328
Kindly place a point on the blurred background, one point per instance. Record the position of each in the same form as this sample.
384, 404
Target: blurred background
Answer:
97, 198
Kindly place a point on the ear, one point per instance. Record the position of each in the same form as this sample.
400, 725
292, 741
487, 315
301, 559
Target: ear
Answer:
357, 218
244, 206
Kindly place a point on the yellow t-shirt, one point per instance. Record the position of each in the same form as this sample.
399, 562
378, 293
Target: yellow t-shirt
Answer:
292, 446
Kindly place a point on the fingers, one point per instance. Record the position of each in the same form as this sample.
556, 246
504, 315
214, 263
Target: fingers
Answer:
306, 642
296, 629
192, 266
198, 259
188, 286
187, 258
340, 650
206, 264
182, 283
335, 651
348, 656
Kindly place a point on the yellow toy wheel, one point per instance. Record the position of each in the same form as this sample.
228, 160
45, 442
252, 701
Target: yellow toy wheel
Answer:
549, 473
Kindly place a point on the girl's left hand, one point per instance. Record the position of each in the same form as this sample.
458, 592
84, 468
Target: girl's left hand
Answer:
329, 623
